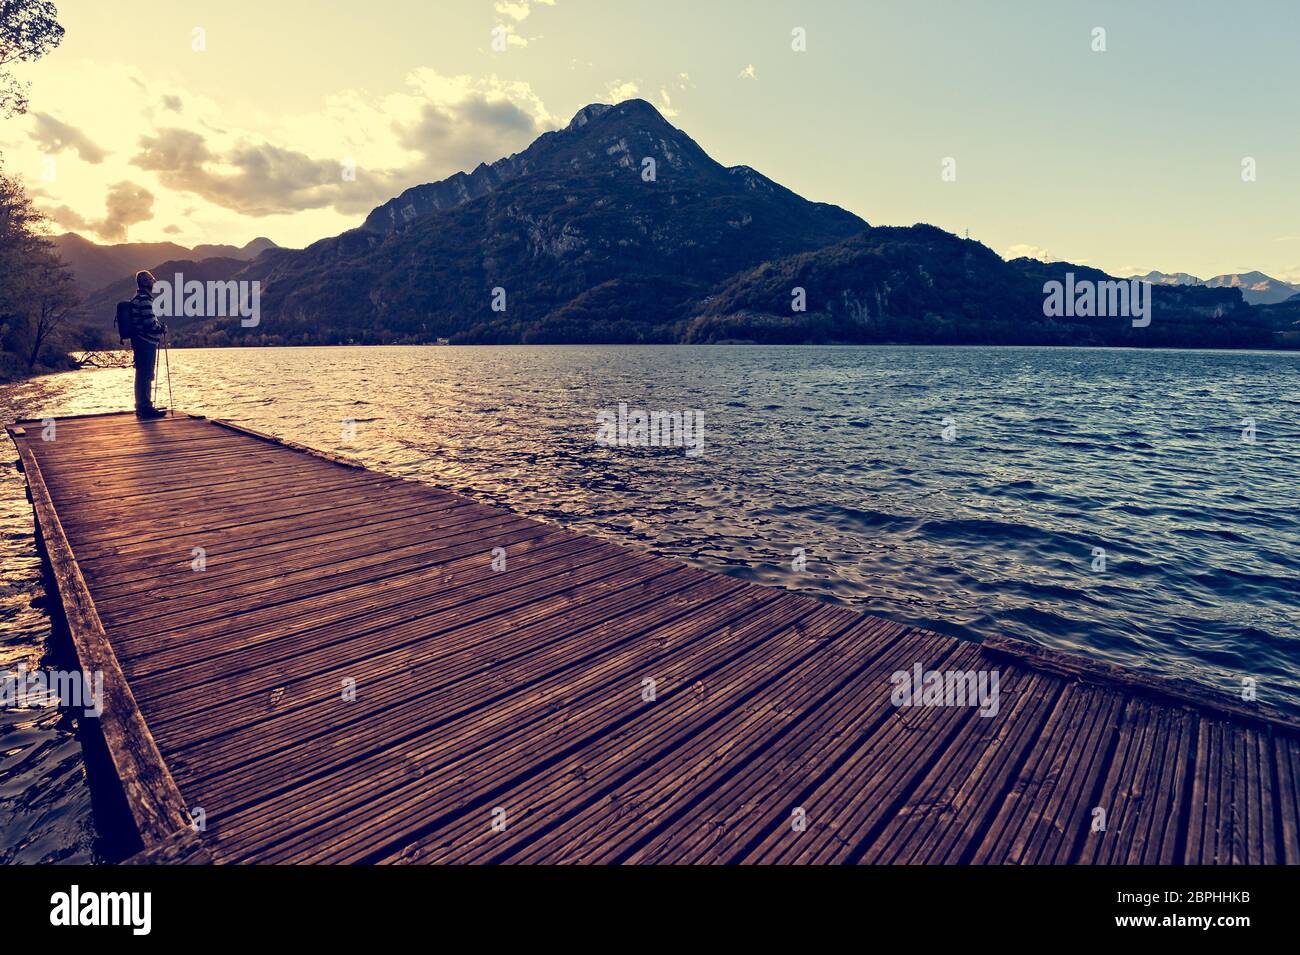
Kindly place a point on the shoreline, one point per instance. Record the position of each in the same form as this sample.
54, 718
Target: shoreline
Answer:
1263, 350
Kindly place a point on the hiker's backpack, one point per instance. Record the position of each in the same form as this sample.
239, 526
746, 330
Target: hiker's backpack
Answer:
125, 321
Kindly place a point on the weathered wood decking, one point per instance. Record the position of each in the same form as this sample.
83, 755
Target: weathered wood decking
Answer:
499, 715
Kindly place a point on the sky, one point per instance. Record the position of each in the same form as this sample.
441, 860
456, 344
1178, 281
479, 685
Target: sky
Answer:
204, 121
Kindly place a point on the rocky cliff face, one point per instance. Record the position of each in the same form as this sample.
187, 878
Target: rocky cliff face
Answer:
463, 187
434, 197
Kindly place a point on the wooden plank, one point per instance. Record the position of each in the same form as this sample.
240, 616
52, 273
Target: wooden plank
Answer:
183, 847
531, 643
159, 572
461, 701
1286, 760
478, 689
185, 694
697, 742
285, 443
948, 812
1169, 689
326, 567
1234, 803
208, 528
1143, 793
725, 823
1047, 803
244, 562
205, 650
848, 807
334, 570
109, 419
156, 804
420, 781
182, 484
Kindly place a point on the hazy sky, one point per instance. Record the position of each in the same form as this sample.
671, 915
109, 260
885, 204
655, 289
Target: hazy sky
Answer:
1128, 159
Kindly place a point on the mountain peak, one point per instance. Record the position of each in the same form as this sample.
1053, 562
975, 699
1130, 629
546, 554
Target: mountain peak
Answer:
631, 127
1256, 287
634, 109
585, 115
621, 220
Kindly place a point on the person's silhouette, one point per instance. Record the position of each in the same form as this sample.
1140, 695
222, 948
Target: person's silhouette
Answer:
146, 334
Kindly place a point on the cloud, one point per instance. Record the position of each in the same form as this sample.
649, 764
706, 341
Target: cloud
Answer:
681, 82
255, 179
70, 219
125, 205
518, 10
449, 123
618, 90
459, 138
172, 150
213, 172
496, 116
436, 130
666, 104
1021, 249
748, 73
513, 38
515, 11
510, 13
55, 137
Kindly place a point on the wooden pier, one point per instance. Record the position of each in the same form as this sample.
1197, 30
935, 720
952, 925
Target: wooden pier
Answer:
321, 663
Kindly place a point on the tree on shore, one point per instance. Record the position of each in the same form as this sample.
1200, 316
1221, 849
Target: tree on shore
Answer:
53, 298
28, 30
37, 294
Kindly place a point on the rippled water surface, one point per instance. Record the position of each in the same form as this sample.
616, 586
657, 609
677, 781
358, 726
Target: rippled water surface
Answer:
839, 451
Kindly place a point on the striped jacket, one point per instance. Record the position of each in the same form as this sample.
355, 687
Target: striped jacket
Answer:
147, 327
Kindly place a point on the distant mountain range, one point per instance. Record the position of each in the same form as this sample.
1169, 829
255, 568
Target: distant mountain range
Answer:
923, 285
1256, 287
621, 228
101, 304
94, 266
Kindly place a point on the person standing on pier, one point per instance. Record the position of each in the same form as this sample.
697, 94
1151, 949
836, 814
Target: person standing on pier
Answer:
146, 335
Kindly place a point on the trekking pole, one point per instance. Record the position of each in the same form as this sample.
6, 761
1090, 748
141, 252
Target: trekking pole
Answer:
153, 397
167, 359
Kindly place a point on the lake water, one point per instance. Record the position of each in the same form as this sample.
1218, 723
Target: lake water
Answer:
1053, 453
